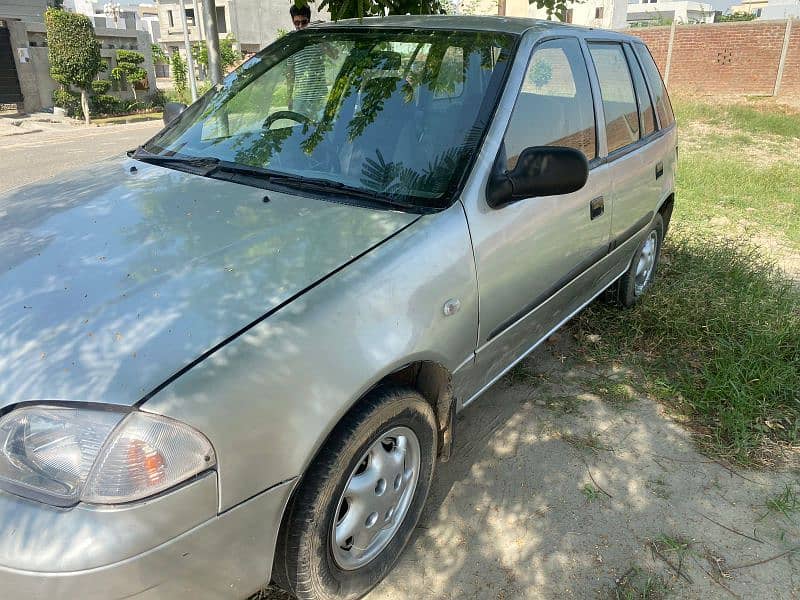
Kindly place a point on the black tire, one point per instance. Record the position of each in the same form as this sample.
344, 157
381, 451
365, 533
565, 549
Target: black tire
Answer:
304, 562
625, 291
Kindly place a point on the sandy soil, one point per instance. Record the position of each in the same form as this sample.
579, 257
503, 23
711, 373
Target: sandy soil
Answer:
561, 489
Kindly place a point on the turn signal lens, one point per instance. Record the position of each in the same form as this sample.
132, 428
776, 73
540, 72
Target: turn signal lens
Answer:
146, 455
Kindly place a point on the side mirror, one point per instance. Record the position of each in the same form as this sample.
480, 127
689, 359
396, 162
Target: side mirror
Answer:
540, 171
172, 110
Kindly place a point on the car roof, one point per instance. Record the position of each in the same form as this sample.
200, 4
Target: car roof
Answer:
513, 25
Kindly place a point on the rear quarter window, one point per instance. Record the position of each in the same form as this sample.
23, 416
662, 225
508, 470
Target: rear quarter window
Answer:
657, 88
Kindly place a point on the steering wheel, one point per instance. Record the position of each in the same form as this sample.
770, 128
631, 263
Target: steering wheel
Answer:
286, 114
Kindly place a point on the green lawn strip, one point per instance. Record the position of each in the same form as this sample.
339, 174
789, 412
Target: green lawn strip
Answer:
751, 119
718, 338
720, 186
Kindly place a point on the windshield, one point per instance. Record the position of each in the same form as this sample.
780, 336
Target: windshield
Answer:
398, 114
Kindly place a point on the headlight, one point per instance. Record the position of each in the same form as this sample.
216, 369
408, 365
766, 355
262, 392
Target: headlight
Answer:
62, 455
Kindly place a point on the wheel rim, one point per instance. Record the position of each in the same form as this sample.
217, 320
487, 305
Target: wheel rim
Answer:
376, 498
646, 262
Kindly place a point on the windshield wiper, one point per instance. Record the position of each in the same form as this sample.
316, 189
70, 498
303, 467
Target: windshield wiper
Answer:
295, 182
207, 163
214, 167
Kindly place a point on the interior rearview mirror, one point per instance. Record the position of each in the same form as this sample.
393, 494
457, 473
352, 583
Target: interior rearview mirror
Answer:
172, 110
540, 171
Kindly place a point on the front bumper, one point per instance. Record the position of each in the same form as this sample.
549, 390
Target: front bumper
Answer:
172, 547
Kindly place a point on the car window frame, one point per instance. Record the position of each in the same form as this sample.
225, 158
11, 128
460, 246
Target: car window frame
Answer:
630, 54
630, 147
598, 159
661, 130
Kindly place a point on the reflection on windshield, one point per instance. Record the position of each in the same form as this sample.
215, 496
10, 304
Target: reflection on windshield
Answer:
398, 114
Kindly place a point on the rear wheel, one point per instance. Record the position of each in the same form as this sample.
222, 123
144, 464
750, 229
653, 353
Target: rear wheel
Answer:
360, 500
639, 277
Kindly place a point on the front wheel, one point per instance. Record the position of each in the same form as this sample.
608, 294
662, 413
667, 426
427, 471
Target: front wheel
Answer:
639, 277
359, 502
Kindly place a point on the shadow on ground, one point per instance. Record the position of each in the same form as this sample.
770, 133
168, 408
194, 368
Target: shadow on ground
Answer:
565, 483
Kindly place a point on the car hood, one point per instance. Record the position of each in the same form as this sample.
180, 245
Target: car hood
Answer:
114, 279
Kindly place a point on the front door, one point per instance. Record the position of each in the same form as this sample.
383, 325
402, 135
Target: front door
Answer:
10, 92
528, 254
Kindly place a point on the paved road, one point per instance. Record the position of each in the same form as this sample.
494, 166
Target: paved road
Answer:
38, 156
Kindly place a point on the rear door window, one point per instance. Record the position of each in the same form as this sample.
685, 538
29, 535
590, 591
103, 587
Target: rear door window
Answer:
616, 90
648, 122
660, 97
554, 106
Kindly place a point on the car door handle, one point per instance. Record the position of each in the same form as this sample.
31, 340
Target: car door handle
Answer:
659, 169
596, 207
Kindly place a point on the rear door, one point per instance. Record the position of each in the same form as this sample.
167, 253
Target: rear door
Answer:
630, 170
528, 253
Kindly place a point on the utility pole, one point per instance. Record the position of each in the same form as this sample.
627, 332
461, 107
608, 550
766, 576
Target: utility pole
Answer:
212, 41
189, 59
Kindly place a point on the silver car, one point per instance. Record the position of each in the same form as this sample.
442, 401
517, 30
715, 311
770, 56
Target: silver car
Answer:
236, 355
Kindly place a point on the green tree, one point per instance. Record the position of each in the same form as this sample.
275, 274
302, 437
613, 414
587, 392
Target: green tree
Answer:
737, 16
350, 9
178, 68
129, 68
159, 56
227, 53
74, 52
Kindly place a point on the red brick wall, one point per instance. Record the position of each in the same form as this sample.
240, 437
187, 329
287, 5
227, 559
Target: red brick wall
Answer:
739, 58
657, 39
791, 69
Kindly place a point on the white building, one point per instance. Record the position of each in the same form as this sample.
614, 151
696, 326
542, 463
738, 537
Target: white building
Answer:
108, 15
605, 14
253, 23
781, 9
665, 12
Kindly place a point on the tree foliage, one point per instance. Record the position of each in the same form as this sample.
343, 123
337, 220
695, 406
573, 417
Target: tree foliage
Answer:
228, 55
129, 68
74, 52
356, 9
737, 16
178, 68
159, 56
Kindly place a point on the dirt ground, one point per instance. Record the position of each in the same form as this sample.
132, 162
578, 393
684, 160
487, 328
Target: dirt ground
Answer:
560, 489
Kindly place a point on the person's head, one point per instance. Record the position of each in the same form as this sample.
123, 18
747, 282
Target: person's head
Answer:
301, 16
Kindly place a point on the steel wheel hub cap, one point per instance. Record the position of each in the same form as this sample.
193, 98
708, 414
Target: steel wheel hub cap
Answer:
645, 263
376, 498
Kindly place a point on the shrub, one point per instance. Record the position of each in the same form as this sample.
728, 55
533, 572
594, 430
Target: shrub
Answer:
129, 69
73, 51
104, 104
156, 100
69, 101
101, 86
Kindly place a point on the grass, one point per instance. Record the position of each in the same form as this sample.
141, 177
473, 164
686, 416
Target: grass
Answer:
590, 492
617, 395
638, 584
591, 441
785, 502
718, 337
723, 176
752, 119
135, 118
